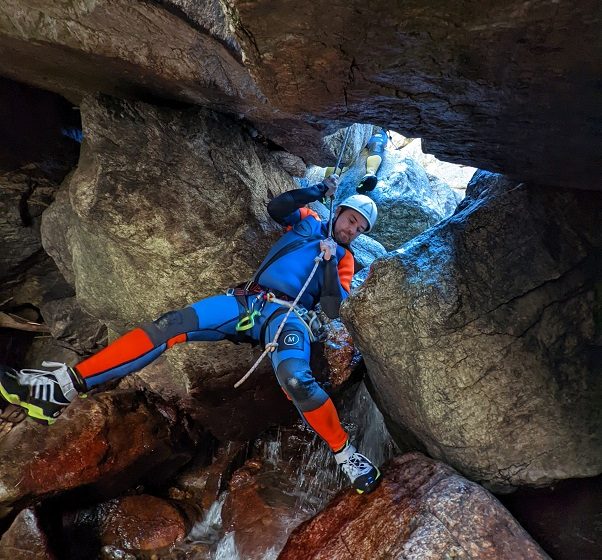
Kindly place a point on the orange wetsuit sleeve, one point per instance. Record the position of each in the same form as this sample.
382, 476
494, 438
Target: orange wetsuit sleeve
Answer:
304, 213
346, 268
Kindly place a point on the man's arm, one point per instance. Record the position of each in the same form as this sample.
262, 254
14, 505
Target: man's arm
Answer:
283, 206
337, 282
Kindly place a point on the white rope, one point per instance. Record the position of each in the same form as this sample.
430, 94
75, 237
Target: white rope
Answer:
271, 346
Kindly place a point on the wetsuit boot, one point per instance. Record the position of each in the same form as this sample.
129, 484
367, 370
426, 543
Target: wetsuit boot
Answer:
44, 394
364, 476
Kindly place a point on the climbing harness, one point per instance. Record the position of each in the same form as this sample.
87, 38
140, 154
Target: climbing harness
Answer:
247, 321
271, 346
292, 307
310, 319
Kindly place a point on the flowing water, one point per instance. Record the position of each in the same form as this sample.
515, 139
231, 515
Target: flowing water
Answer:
298, 477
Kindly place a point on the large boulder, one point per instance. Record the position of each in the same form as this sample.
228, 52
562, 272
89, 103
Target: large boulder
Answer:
101, 446
479, 82
177, 50
165, 208
423, 510
482, 336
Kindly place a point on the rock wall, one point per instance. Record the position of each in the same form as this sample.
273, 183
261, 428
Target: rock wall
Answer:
510, 88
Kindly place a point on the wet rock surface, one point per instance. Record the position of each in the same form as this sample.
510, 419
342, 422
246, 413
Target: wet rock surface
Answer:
100, 446
25, 539
139, 523
422, 510
481, 339
286, 481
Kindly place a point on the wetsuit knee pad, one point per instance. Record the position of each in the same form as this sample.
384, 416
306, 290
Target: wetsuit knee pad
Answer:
299, 384
171, 324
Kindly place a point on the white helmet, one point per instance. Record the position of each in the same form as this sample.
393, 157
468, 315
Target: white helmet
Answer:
364, 205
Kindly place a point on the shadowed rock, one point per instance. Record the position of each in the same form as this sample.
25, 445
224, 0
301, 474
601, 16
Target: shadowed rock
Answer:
489, 85
25, 539
423, 510
130, 523
493, 86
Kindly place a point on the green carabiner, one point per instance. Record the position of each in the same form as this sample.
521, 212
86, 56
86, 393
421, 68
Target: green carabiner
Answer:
248, 321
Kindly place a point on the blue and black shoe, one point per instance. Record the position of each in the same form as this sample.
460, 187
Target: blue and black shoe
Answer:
43, 394
364, 476
368, 183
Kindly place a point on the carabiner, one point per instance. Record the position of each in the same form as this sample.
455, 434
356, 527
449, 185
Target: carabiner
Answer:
248, 321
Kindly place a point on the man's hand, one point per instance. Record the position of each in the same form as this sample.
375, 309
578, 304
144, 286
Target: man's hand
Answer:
329, 247
332, 184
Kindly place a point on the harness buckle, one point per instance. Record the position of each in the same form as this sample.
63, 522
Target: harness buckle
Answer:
230, 292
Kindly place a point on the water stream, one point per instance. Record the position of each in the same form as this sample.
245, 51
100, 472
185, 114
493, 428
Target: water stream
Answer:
298, 477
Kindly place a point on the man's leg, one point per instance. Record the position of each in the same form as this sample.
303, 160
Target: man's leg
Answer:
46, 393
376, 149
291, 365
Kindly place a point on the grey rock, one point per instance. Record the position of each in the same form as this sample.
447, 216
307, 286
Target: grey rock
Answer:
27, 274
365, 250
25, 539
407, 203
358, 138
481, 335
292, 164
73, 327
165, 207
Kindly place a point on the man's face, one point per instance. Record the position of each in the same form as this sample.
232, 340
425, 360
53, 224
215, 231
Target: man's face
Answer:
348, 225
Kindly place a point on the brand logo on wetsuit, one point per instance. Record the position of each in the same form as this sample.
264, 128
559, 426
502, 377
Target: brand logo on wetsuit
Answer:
291, 339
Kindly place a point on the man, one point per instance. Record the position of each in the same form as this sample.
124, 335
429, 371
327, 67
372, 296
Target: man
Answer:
252, 311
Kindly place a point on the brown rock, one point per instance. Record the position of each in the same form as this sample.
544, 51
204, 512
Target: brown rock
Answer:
204, 483
257, 523
291, 476
341, 356
25, 539
485, 85
106, 443
422, 510
142, 523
